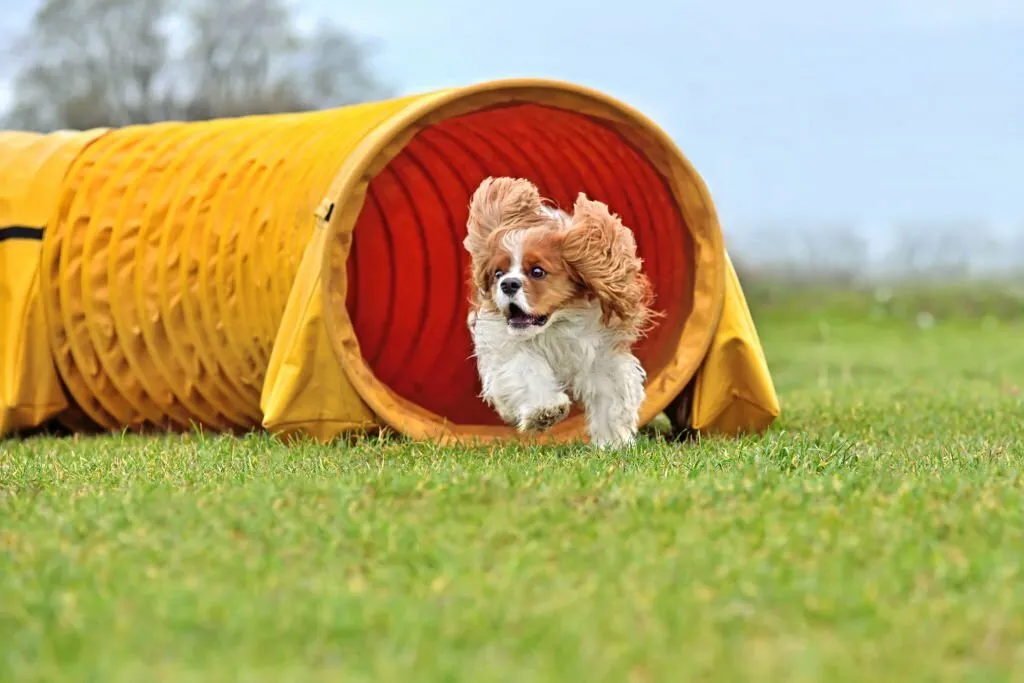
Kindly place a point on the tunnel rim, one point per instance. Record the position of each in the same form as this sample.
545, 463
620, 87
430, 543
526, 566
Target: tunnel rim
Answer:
347, 194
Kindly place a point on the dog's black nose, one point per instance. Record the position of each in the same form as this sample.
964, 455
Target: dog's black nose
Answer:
510, 286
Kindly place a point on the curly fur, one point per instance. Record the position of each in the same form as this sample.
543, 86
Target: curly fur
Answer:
602, 252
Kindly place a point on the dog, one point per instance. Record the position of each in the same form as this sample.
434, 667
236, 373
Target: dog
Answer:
559, 301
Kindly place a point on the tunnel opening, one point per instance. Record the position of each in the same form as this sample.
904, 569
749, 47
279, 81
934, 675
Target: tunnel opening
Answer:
407, 272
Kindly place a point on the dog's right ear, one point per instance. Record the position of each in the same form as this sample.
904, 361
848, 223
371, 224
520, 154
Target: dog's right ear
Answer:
500, 202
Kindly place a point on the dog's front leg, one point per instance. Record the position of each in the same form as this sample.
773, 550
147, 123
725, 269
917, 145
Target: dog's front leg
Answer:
524, 391
612, 394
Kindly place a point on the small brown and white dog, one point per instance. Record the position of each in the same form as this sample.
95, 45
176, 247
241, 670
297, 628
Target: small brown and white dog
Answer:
559, 302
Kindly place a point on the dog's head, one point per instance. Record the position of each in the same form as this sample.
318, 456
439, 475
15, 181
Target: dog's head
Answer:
534, 263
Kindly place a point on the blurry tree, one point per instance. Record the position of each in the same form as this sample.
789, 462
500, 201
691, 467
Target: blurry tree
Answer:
88, 63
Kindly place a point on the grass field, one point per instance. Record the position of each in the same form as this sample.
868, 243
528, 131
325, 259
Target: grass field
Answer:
876, 533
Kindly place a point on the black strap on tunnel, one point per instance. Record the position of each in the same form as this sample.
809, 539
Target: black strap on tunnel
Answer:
20, 232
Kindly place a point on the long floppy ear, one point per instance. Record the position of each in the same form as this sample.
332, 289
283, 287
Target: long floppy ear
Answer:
601, 251
500, 202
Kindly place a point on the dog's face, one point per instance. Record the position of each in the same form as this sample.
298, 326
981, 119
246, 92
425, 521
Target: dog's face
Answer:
528, 279
534, 263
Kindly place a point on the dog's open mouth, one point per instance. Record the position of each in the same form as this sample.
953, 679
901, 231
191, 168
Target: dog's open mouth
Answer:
520, 320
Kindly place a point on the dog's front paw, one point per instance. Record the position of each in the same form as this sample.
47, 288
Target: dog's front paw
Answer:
540, 418
611, 438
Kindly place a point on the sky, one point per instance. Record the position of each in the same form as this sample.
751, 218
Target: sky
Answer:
871, 111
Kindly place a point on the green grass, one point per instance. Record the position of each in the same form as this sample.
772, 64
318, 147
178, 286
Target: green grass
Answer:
876, 533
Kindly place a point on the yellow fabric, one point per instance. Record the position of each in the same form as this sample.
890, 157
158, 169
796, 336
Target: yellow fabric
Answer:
31, 169
733, 392
306, 390
169, 263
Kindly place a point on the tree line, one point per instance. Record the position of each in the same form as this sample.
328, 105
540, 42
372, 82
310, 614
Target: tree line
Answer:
95, 63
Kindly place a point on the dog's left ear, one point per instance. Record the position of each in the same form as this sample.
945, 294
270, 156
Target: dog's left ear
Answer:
500, 202
601, 253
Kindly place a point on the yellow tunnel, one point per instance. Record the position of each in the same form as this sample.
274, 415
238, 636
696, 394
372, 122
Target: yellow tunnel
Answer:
304, 273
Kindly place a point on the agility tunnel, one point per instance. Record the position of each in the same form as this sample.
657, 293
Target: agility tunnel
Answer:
304, 273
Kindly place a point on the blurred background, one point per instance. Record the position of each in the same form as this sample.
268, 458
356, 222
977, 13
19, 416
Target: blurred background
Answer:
849, 144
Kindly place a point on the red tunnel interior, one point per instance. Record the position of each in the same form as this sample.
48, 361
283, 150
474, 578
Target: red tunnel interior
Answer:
408, 272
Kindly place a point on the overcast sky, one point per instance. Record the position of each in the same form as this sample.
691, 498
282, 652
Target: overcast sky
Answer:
791, 109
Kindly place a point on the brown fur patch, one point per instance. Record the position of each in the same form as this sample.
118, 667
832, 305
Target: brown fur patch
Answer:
602, 253
542, 247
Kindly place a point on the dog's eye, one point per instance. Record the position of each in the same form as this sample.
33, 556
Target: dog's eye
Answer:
537, 272
498, 273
